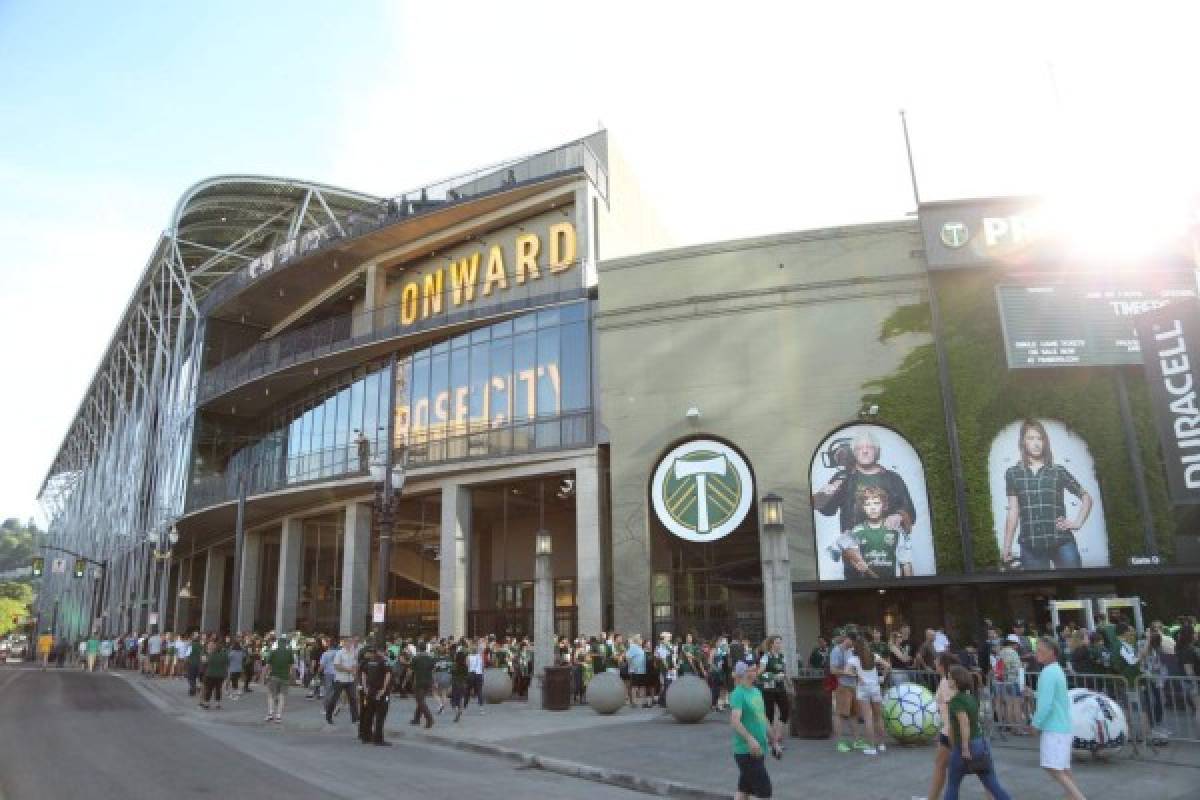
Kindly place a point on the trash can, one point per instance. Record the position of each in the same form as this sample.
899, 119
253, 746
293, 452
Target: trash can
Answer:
812, 714
556, 689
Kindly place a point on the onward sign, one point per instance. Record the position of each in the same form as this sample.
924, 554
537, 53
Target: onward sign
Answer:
532, 259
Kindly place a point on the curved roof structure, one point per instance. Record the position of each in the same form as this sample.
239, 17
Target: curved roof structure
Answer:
219, 224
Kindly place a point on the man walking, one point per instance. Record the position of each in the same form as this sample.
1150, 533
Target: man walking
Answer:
279, 674
216, 669
375, 683
422, 667
1053, 718
749, 721
344, 664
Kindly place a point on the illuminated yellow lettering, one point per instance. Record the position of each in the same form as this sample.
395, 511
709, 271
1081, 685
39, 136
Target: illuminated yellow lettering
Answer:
460, 404
556, 383
409, 300
463, 274
495, 271
563, 246
421, 414
527, 253
431, 296
530, 378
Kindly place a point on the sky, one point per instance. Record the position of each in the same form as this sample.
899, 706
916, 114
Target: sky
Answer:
737, 120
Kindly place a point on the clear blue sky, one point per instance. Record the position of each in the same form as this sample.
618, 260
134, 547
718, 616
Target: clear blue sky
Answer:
738, 120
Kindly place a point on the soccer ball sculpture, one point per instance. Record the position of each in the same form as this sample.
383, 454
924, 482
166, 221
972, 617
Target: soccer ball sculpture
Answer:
910, 714
1097, 723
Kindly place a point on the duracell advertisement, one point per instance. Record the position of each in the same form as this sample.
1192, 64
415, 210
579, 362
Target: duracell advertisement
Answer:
1170, 341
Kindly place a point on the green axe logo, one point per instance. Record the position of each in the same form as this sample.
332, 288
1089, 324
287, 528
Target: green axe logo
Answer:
702, 490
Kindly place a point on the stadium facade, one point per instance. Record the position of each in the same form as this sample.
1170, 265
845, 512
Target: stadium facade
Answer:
311, 383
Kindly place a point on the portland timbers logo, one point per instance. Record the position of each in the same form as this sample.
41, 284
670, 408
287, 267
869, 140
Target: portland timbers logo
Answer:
702, 490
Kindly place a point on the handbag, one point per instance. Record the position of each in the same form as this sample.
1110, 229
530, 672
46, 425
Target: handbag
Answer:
830, 683
978, 765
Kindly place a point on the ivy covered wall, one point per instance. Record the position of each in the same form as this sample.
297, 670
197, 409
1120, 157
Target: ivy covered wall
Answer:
989, 396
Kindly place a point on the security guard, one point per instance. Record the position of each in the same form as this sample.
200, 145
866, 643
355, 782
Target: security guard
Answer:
375, 688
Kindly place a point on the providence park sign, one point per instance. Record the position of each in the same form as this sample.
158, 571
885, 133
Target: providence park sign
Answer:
702, 490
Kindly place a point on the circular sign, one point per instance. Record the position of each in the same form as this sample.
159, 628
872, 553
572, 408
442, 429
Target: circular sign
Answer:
702, 490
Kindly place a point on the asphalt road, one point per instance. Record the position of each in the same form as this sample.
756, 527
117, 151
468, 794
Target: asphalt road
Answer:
67, 734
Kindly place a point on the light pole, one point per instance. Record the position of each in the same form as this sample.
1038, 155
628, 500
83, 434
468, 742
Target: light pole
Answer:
543, 613
777, 578
155, 538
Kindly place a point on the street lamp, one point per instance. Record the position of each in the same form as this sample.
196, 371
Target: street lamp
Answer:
772, 511
777, 577
543, 611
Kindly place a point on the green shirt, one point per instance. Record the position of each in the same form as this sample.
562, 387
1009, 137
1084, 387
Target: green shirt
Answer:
93, 646
280, 661
878, 548
422, 667
754, 718
965, 702
218, 665
772, 672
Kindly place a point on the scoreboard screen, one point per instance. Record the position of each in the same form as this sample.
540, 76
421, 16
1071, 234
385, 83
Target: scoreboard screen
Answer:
1056, 325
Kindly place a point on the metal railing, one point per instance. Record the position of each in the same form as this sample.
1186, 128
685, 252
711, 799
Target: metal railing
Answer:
472, 185
348, 331
1168, 711
271, 470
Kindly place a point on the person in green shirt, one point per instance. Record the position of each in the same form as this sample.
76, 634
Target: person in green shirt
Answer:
92, 649
878, 544
772, 682
749, 722
216, 669
194, 662
967, 742
422, 669
279, 660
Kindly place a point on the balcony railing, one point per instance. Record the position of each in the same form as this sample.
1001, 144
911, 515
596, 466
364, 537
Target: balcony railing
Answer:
421, 201
348, 331
272, 471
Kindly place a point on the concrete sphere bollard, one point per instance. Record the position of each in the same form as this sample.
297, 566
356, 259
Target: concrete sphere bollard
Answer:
497, 685
689, 699
606, 693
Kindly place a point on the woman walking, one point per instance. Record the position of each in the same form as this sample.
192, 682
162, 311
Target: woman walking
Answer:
970, 752
772, 681
863, 663
237, 663
442, 681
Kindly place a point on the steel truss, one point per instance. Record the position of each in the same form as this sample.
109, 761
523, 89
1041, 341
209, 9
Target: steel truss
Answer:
119, 479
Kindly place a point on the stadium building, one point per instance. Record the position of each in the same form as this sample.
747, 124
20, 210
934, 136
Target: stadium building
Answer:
323, 409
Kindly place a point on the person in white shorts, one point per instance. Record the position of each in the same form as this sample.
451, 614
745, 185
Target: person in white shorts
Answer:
1052, 718
862, 662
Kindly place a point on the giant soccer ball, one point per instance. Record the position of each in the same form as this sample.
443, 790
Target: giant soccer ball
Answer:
1097, 723
910, 714
497, 685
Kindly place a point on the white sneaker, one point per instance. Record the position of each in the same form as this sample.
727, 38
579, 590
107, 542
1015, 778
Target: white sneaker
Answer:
883, 748
869, 751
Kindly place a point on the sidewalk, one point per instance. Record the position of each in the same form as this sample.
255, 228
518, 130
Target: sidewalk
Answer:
647, 750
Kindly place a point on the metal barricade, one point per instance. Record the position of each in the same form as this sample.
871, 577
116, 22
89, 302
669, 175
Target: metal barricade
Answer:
1103, 719
1165, 718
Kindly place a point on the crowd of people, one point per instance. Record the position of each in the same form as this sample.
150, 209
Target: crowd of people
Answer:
975, 687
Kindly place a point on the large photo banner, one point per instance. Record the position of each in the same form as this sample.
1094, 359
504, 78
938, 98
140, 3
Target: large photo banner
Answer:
870, 507
1045, 500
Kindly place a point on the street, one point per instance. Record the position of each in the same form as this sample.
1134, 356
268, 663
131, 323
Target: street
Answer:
68, 734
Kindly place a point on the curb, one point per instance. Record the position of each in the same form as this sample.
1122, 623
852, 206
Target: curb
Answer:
571, 769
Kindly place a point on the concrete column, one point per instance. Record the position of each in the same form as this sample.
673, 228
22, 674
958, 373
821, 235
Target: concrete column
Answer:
214, 585
456, 528
291, 561
589, 569
248, 582
356, 570
543, 626
777, 591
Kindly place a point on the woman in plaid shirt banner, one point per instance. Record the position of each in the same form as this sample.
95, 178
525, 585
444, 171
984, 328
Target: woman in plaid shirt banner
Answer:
1036, 503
